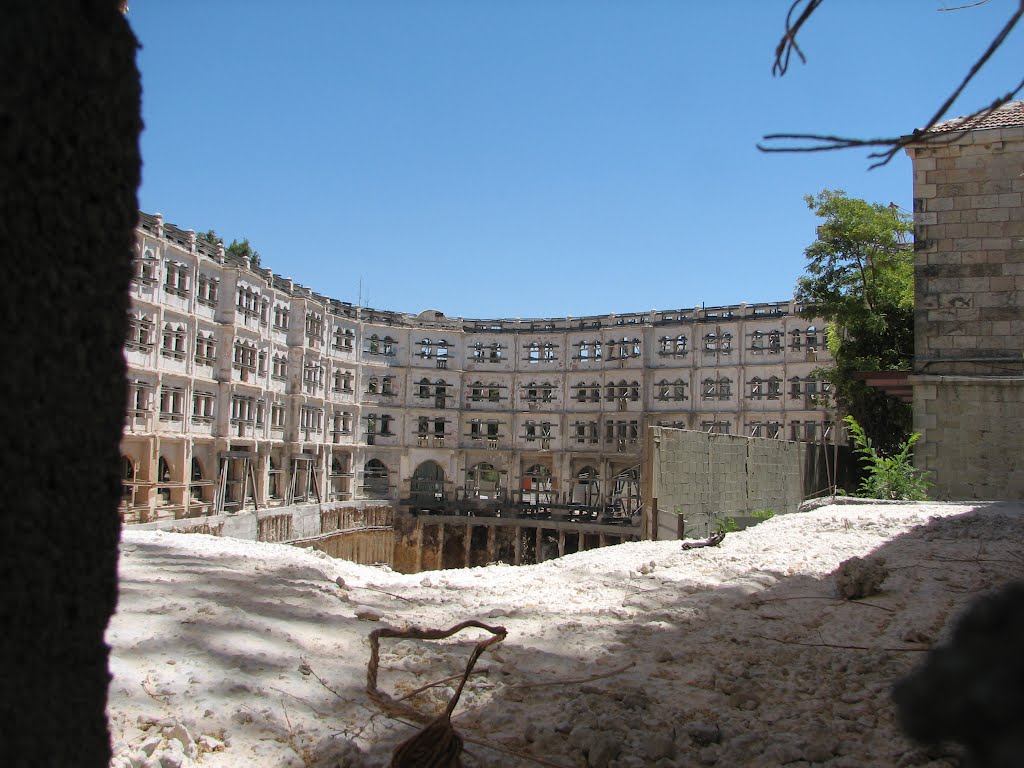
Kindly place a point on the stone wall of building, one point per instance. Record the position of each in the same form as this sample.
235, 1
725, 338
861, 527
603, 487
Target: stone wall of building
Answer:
698, 478
245, 388
972, 436
969, 306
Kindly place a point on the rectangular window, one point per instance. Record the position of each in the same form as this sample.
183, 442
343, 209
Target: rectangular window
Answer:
202, 407
176, 279
207, 289
277, 416
172, 403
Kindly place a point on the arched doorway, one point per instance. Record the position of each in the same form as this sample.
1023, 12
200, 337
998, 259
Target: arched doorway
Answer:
537, 485
586, 491
483, 481
339, 476
127, 483
427, 484
375, 479
275, 478
196, 488
163, 475
625, 496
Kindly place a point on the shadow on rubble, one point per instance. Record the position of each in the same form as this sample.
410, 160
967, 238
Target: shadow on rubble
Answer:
768, 669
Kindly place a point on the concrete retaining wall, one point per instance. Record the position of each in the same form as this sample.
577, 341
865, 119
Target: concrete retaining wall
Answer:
697, 478
361, 530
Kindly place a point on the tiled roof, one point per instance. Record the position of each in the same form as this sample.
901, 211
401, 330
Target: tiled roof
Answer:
1008, 115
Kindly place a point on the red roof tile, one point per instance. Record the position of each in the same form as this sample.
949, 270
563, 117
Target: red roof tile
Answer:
1007, 116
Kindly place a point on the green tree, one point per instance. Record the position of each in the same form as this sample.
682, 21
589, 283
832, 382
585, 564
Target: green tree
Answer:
242, 249
211, 237
860, 278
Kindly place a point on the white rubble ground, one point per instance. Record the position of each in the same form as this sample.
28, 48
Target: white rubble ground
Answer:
234, 653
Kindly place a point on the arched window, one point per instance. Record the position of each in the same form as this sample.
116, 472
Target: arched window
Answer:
586, 490
634, 391
375, 479
423, 389
581, 392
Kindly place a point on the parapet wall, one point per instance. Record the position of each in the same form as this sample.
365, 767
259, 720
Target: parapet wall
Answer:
295, 523
697, 477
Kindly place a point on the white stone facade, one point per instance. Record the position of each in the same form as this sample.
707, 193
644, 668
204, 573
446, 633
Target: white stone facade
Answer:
247, 388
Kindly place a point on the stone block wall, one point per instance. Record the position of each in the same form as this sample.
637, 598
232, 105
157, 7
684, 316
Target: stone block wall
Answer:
969, 252
701, 477
969, 309
973, 440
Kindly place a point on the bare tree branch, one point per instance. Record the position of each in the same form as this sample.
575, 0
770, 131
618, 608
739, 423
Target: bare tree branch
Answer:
788, 45
962, 7
826, 143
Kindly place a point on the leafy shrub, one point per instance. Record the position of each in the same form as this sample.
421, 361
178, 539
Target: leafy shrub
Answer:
889, 477
762, 514
725, 525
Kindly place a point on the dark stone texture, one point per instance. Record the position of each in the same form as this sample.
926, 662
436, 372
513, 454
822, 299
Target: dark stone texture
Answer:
69, 170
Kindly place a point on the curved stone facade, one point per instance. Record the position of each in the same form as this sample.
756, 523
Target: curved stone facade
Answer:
244, 386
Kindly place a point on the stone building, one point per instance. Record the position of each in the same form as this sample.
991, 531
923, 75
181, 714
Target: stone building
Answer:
969, 301
248, 389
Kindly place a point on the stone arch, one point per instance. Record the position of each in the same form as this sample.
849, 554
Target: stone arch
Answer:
427, 483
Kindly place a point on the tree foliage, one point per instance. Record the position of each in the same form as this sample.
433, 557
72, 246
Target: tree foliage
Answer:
211, 237
889, 477
860, 278
243, 249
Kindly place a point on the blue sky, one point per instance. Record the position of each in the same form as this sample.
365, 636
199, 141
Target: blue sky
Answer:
535, 158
